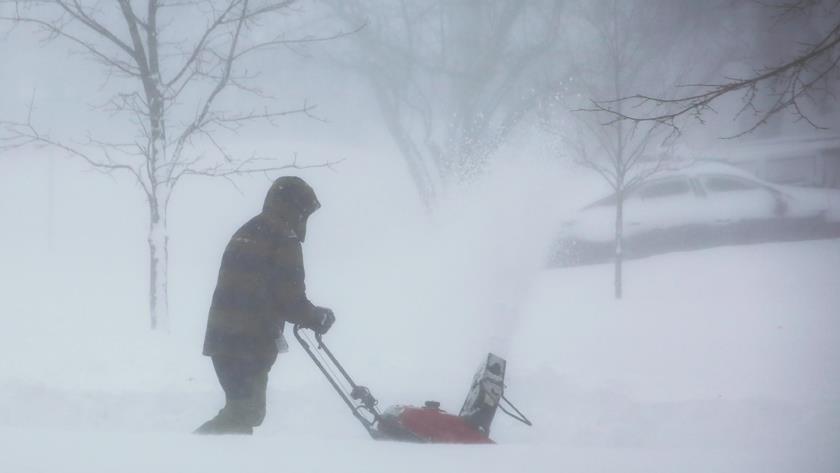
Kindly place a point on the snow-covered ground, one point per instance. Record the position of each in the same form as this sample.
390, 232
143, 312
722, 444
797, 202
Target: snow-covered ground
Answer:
722, 360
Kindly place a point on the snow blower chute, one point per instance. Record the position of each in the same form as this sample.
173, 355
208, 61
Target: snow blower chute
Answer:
427, 424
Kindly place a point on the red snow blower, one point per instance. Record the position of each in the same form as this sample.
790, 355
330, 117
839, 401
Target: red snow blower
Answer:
427, 424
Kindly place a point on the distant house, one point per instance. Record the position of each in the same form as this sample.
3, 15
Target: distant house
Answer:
812, 161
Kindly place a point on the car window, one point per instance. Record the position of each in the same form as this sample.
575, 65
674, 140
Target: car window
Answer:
664, 188
608, 201
728, 184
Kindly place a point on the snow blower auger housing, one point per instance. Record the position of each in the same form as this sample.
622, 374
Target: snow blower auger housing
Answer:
427, 424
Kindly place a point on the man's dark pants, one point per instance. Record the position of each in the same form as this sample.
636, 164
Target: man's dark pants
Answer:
244, 381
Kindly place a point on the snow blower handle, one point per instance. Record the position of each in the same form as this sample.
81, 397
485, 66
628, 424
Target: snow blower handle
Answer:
343, 384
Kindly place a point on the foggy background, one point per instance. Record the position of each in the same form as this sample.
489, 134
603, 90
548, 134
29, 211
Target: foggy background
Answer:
458, 150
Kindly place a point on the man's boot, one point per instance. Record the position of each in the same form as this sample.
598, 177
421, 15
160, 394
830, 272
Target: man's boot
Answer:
225, 423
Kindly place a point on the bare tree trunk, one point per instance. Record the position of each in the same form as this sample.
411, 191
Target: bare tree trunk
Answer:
158, 199
619, 241
620, 155
158, 267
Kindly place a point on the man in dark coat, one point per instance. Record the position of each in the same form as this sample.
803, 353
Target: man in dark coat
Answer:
260, 288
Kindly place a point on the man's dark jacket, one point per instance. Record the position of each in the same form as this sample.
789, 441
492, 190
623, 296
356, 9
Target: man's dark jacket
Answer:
260, 288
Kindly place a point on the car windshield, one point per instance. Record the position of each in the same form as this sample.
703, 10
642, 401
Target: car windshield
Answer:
728, 184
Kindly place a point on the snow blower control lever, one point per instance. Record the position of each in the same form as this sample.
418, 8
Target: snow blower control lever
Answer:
428, 424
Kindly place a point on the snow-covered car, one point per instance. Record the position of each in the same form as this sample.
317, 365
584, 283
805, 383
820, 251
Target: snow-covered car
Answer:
700, 205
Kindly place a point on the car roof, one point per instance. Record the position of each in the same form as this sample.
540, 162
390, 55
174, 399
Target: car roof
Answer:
692, 169
703, 167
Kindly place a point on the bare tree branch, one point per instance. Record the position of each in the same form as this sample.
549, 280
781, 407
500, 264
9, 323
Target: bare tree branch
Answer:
201, 44
21, 134
57, 31
788, 83
245, 167
283, 41
77, 12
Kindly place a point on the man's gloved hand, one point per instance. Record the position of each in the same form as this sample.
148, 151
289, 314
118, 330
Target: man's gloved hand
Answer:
322, 320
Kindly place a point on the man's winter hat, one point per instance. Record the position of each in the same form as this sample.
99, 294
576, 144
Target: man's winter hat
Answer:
291, 201
295, 193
